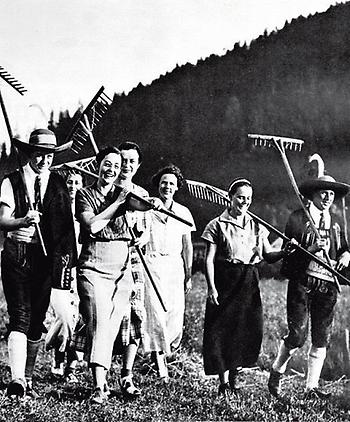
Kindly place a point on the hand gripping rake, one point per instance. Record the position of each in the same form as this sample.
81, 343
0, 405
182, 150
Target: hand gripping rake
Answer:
88, 166
281, 144
81, 132
19, 88
219, 196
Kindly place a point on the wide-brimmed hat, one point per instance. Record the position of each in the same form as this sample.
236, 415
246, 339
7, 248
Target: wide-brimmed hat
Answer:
43, 141
309, 187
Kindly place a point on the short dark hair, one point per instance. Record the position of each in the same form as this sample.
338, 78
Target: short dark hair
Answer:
237, 183
131, 145
169, 169
105, 151
73, 172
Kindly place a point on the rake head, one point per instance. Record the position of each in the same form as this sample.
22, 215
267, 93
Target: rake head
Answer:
94, 113
86, 166
207, 192
276, 141
12, 81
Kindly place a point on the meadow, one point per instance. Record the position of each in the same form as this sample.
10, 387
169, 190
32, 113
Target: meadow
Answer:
190, 395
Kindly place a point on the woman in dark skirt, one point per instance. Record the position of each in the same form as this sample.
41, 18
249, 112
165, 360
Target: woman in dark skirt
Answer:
233, 323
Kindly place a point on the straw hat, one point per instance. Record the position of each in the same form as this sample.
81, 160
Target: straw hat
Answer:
41, 140
325, 182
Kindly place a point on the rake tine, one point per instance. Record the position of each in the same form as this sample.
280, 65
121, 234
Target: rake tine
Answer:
99, 115
7, 77
104, 102
79, 135
106, 98
78, 142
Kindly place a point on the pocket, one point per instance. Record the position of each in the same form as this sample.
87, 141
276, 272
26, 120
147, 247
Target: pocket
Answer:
14, 253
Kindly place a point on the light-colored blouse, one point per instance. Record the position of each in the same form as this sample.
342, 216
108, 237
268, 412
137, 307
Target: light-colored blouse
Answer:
166, 232
236, 243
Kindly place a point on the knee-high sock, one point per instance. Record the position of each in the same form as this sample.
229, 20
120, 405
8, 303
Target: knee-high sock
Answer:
32, 352
17, 350
162, 365
317, 356
283, 357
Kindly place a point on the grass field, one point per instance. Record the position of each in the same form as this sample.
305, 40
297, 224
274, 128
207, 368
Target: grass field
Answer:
190, 395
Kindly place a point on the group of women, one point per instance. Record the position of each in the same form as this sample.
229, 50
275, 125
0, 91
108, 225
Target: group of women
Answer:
235, 243
105, 281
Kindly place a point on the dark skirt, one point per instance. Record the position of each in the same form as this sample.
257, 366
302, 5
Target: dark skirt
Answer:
233, 330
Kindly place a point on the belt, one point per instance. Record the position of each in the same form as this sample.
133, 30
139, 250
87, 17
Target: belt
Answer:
314, 284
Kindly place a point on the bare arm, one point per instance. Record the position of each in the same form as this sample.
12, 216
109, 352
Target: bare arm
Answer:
187, 256
96, 222
10, 223
209, 266
270, 255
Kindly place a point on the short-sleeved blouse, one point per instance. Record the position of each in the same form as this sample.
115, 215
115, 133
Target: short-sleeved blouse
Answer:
166, 232
235, 243
92, 200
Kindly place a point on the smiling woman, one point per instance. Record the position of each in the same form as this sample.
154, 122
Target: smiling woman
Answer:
169, 255
233, 317
104, 276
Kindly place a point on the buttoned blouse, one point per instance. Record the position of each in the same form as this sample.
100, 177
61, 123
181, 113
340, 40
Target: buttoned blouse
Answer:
92, 200
166, 232
235, 243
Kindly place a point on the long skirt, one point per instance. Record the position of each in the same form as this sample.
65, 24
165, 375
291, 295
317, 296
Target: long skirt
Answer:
104, 286
163, 330
233, 330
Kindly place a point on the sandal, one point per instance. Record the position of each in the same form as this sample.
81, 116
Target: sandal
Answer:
128, 388
98, 396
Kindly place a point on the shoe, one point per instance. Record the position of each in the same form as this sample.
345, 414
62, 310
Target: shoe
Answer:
224, 390
274, 383
16, 387
232, 379
30, 392
98, 396
128, 388
57, 369
316, 394
71, 378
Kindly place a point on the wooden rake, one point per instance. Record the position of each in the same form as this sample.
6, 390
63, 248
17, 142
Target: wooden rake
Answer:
219, 196
282, 144
81, 132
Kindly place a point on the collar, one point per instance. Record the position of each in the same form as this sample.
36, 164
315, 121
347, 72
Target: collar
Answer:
30, 174
316, 215
226, 217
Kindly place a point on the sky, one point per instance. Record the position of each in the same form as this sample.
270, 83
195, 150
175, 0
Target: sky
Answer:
63, 51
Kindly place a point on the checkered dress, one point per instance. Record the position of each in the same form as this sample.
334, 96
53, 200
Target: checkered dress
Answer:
132, 327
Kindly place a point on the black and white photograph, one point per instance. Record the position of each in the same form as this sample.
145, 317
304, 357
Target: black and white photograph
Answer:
174, 210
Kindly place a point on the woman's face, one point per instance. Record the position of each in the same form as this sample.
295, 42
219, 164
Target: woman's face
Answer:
167, 186
74, 183
130, 163
241, 200
109, 169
